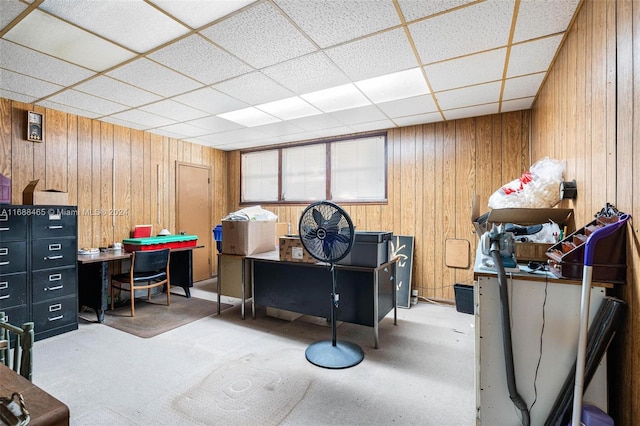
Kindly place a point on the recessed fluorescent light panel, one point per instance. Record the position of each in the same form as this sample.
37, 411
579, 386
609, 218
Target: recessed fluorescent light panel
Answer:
398, 85
289, 109
249, 117
336, 98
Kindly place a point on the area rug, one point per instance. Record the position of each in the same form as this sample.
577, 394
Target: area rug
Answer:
155, 317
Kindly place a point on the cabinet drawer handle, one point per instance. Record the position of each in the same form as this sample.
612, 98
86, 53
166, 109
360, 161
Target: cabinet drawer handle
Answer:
4, 251
4, 284
58, 287
53, 247
54, 227
57, 256
56, 307
4, 229
55, 277
6, 296
4, 263
56, 318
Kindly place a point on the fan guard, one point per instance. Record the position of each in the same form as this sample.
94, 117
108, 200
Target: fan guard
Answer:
327, 233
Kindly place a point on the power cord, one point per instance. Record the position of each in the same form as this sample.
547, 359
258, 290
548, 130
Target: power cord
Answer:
535, 377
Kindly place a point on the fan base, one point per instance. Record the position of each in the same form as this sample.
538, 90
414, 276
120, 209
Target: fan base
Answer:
342, 355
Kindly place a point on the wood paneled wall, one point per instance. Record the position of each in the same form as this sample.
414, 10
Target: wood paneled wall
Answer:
433, 172
118, 177
586, 113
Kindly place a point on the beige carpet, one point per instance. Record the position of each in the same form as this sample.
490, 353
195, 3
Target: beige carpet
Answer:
155, 317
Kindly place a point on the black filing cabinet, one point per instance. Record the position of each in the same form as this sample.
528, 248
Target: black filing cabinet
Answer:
40, 278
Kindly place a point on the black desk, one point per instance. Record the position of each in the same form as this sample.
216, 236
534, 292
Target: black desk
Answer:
367, 294
93, 275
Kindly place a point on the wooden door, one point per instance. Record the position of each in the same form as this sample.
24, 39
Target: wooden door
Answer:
193, 213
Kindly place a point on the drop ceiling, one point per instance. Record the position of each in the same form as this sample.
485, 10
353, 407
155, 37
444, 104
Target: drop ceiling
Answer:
237, 74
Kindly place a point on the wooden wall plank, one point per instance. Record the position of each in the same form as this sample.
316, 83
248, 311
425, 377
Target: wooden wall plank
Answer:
85, 182
71, 176
55, 151
5, 137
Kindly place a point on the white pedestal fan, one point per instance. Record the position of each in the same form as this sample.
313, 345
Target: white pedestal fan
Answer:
327, 233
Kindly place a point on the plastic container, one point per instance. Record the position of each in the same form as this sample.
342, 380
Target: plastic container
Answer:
217, 237
370, 248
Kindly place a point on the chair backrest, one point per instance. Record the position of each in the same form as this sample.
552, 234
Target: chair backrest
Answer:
21, 362
152, 260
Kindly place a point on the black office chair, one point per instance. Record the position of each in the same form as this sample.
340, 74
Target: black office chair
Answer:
22, 339
149, 269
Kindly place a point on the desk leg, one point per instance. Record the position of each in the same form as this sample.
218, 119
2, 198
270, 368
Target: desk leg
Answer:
253, 291
242, 281
375, 309
219, 284
181, 270
394, 293
93, 281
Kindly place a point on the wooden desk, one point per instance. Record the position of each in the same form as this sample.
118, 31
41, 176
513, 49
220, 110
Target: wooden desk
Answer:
367, 294
93, 275
43, 408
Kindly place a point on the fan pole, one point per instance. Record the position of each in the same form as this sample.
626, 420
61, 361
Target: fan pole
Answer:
334, 306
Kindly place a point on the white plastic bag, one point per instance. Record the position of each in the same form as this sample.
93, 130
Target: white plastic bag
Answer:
537, 188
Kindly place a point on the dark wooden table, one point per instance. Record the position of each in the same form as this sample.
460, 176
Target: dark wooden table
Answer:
43, 408
93, 275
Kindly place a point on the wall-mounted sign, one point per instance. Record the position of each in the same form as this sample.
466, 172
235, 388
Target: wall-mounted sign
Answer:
35, 127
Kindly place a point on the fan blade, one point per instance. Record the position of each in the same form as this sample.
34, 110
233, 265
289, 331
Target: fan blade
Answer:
318, 217
334, 220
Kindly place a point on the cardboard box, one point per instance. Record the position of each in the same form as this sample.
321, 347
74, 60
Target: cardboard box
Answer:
49, 197
525, 251
247, 237
291, 250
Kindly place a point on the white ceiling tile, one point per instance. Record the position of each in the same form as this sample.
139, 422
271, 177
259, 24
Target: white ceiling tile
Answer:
163, 131
20, 97
35, 64
153, 77
86, 102
538, 18
413, 9
144, 118
210, 100
390, 87
181, 130
336, 98
517, 104
197, 13
279, 129
334, 131
329, 22
67, 42
249, 117
119, 21
199, 58
173, 110
467, 70
410, 106
520, 87
375, 55
473, 95
474, 111
9, 10
373, 125
289, 108
117, 91
124, 123
26, 85
307, 73
413, 120
253, 88
236, 136
215, 124
68, 109
358, 115
481, 26
534, 56
260, 36
316, 122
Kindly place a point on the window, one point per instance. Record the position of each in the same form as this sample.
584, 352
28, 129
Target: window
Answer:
350, 170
